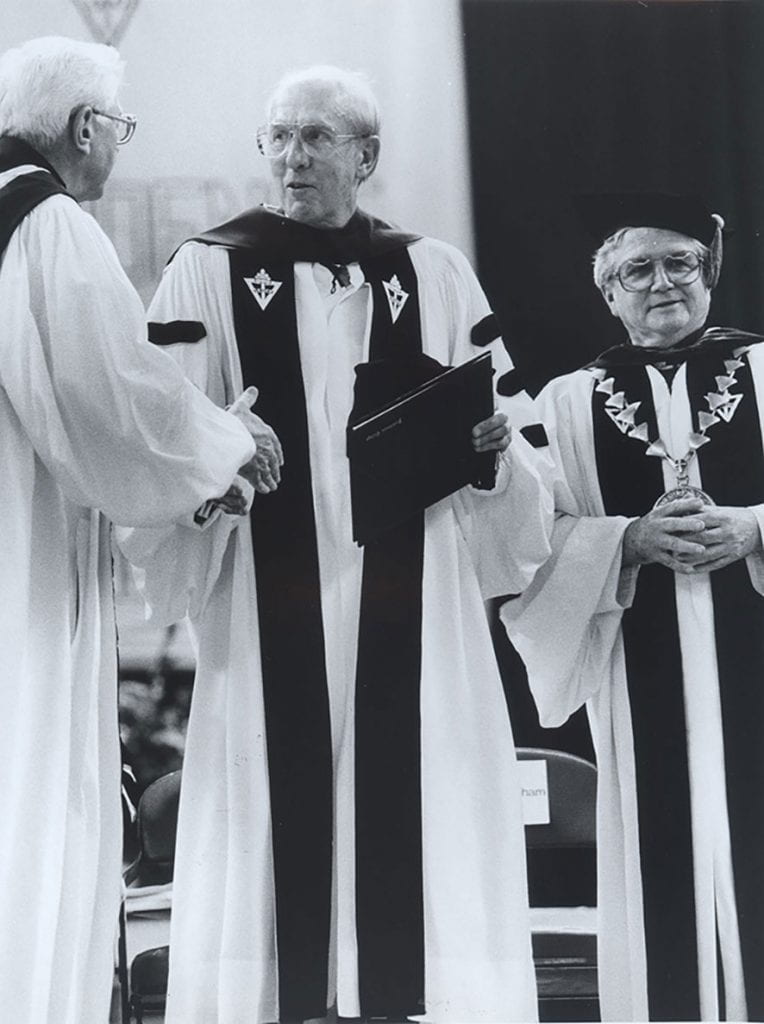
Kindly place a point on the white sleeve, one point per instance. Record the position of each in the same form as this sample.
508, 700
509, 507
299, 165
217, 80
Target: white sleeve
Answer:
565, 626
755, 562
112, 418
475, 329
190, 317
507, 528
177, 566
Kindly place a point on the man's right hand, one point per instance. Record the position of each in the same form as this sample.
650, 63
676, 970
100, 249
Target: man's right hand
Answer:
659, 536
235, 501
264, 469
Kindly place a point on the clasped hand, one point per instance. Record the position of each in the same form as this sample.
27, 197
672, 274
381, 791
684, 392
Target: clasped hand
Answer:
263, 471
264, 468
689, 537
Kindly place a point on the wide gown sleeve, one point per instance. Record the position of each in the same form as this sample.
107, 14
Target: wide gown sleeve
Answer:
111, 417
755, 561
177, 565
507, 528
566, 624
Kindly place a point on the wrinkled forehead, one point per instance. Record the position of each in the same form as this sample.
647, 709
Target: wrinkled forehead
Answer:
652, 243
308, 103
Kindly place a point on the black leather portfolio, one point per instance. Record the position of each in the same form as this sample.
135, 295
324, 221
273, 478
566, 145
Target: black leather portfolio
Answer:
417, 449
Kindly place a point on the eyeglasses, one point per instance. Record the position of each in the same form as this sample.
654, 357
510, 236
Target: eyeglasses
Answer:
679, 268
126, 125
316, 139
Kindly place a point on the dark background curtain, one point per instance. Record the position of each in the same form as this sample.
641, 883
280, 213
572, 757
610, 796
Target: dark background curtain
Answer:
574, 97
604, 95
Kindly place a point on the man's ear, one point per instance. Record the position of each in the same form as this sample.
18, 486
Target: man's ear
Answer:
81, 128
368, 155
609, 295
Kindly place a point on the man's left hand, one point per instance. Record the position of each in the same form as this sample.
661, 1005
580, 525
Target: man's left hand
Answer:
493, 434
731, 533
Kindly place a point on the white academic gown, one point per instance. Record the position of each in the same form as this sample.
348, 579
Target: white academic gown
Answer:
567, 628
91, 417
478, 964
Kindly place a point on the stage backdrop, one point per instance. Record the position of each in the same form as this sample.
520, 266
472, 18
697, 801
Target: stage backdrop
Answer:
198, 75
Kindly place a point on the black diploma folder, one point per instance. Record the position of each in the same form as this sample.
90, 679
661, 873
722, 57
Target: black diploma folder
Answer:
417, 449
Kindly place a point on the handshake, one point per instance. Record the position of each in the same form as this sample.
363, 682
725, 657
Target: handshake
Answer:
263, 471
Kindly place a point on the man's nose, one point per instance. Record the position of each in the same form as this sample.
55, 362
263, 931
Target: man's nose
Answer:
661, 281
295, 152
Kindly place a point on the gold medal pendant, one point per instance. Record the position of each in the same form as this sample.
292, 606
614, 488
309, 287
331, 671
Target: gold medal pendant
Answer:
683, 492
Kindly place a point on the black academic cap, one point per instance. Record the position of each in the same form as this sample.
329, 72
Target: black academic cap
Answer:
604, 214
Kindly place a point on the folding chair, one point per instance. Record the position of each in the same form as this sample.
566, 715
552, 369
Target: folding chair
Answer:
145, 918
562, 889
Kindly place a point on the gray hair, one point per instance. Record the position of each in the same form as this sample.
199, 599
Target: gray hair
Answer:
352, 96
605, 258
44, 80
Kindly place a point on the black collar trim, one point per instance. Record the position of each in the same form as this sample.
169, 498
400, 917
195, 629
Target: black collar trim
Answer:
361, 238
721, 338
15, 153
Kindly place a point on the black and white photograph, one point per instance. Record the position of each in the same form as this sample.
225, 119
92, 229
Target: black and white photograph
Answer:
382, 547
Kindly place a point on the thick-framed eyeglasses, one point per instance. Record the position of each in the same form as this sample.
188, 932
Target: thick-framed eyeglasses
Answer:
316, 139
679, 268
125, 125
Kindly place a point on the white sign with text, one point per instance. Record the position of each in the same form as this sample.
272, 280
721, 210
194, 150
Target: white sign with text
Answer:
535, 792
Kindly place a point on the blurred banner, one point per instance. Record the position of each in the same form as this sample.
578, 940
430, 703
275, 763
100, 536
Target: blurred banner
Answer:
107, 20
198, 76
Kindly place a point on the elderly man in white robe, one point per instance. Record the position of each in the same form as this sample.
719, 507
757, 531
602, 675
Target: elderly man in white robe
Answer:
350, 825
650, 611
95, 422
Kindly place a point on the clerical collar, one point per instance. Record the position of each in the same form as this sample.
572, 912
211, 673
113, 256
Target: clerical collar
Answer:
712, 339
16, 153
361, 238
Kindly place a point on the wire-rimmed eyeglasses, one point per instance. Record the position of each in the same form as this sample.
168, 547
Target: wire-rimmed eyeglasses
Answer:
316, 139
126, 125
679, 268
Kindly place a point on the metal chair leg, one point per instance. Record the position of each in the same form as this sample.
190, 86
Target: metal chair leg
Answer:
124, 986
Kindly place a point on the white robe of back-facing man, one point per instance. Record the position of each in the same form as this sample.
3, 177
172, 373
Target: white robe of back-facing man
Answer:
95, 425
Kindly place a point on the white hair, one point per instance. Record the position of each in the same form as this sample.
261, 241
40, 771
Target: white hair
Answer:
352, 96
605, 258
44, 80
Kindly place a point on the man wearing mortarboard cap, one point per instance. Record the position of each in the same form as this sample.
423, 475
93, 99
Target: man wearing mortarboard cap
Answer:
650, 612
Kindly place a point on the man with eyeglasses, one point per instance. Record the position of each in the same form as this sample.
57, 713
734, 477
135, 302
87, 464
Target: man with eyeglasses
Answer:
350, 826
651, 612
94, 422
